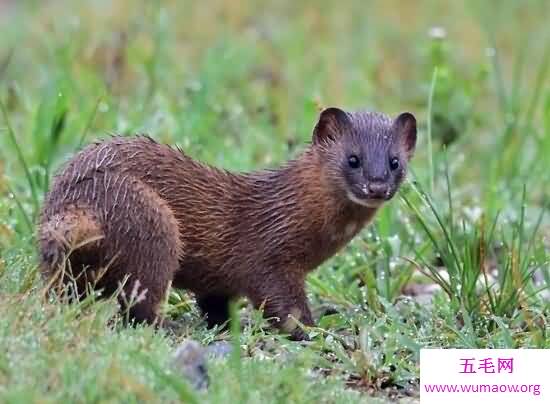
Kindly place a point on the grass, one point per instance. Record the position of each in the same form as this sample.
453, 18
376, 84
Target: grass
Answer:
240, 87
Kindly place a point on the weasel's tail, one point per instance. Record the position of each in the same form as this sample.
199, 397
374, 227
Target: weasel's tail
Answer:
62, 234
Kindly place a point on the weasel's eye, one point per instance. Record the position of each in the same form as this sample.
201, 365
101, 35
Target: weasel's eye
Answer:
353, 161
394, 163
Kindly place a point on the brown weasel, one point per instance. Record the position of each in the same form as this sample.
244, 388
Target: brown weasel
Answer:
150, 214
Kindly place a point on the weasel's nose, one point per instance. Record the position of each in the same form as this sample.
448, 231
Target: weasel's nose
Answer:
378, 190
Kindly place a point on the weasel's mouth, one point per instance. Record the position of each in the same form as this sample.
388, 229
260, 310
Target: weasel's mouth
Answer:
369, 203
361, 196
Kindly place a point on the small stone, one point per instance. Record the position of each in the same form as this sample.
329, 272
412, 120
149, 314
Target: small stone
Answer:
219, 349
189, 360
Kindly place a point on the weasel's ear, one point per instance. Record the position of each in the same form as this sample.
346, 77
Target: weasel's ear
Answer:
405, 126
332, 122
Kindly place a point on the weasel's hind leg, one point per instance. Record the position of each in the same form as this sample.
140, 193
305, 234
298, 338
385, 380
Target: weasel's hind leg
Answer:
135, 243
144, 292
145, 243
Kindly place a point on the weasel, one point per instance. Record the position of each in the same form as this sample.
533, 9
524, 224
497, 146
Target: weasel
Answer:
133, 214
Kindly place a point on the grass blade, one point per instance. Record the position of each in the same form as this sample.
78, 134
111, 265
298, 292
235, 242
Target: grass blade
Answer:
20, 157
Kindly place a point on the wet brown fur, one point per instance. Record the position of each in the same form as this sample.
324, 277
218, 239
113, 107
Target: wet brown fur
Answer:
157, 216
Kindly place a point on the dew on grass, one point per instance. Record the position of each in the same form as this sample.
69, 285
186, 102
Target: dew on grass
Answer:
194, 85
473, 213
437, 32
490, 52
395, 243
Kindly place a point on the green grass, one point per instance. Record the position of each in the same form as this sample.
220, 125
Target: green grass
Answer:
240, 87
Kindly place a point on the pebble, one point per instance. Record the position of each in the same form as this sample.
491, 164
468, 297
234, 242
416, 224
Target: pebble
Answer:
190, 360
219, 349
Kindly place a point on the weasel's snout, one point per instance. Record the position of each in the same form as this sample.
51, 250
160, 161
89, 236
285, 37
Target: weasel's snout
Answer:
378, 190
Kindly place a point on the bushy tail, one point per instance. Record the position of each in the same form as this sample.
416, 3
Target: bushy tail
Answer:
62, 234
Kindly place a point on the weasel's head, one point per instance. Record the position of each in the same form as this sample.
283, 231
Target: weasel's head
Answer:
365, 154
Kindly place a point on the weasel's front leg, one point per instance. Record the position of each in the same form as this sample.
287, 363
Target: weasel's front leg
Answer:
284, 301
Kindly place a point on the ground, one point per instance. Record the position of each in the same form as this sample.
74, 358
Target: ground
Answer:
459, 259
